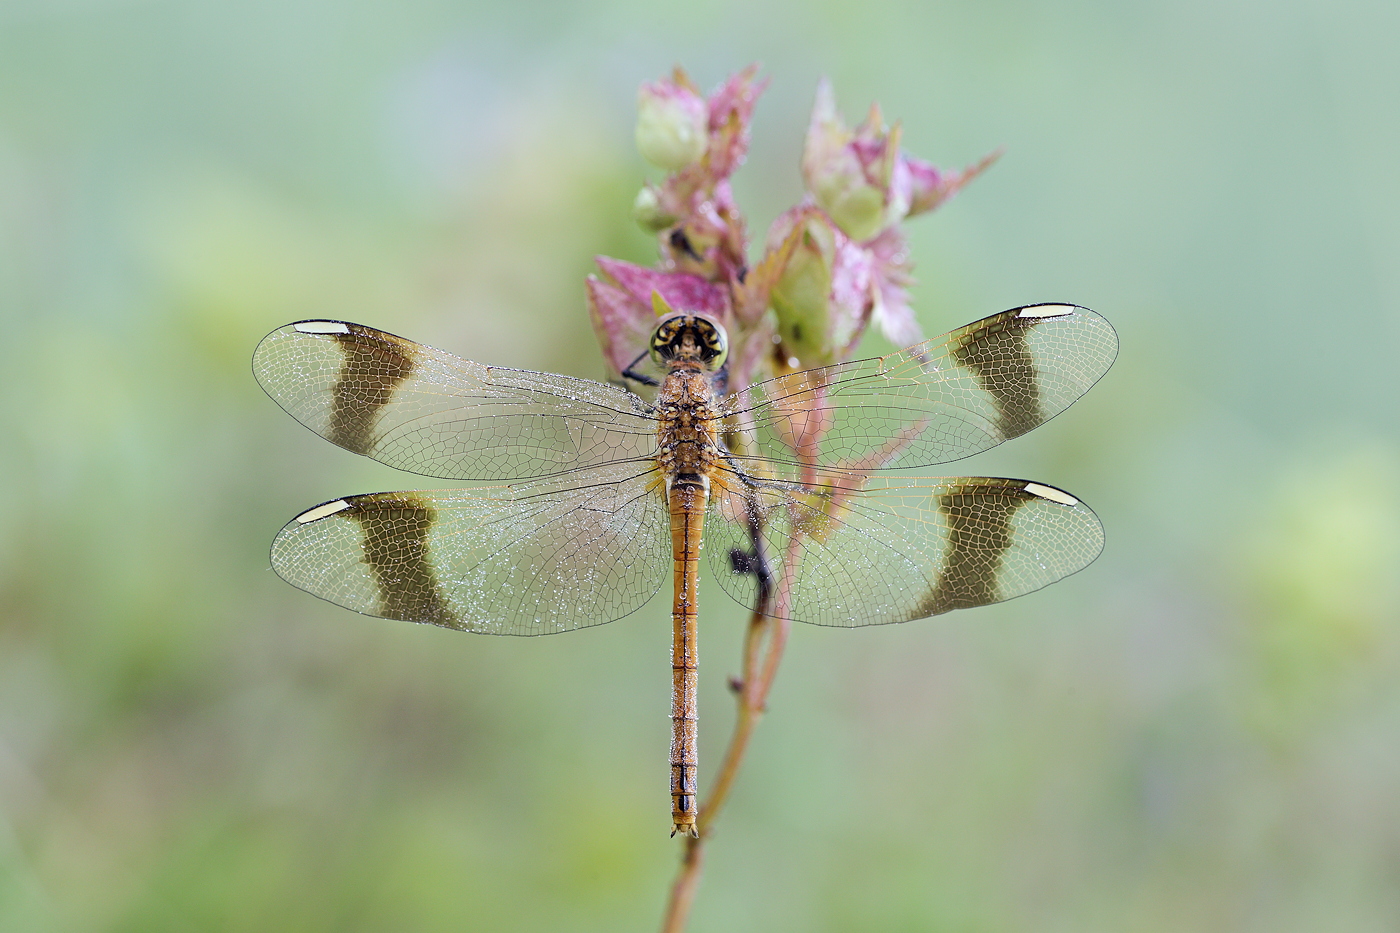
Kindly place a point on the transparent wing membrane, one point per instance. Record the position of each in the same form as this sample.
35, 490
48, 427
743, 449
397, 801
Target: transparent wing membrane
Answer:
897, 552
941, 400
530, 559
425, 411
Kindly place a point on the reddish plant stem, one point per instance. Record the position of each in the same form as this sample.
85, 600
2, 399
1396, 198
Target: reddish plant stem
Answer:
683, 889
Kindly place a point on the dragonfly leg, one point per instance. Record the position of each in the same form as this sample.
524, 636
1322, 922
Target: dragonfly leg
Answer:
631, 372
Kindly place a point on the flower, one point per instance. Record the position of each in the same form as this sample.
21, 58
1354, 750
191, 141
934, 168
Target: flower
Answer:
833, 265
862, 179
857, 177
832, 288
890, 278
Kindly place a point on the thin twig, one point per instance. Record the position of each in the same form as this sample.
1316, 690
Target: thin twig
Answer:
751, 698
683, 889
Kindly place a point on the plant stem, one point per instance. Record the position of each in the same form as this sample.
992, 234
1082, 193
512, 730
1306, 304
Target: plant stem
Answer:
684, 887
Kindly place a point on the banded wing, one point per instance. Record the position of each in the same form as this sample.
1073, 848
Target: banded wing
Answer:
530, 559
893, 552
429, 412
941, 400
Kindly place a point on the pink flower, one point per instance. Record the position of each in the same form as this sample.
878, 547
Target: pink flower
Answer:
862, 179
889, 260
831, 288
833, 265
731, 111
856, 177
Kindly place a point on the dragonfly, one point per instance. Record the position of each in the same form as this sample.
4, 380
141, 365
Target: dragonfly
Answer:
609, 494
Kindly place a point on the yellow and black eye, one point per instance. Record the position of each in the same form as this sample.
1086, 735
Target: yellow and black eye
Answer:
689, 337
714, 343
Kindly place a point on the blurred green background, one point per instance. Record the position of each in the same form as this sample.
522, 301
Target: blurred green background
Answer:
1200, 732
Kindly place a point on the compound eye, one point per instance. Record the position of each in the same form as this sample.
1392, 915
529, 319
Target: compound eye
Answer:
689, 337
665, 339
714, 343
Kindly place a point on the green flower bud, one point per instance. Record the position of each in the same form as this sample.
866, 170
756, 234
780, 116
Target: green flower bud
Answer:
672, 131
649, 213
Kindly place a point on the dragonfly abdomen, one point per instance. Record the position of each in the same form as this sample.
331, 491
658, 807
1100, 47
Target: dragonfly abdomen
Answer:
686, 501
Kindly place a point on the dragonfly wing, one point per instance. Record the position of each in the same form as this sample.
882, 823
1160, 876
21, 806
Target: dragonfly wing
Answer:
529, 559
426, 411
892, 553
942, 400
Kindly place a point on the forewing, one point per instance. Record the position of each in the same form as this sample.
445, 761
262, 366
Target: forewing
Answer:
529, 559
950, 397
892, 553
429, 412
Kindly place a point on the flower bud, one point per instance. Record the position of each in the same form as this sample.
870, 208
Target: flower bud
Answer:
672, 125
823, 297
651, 215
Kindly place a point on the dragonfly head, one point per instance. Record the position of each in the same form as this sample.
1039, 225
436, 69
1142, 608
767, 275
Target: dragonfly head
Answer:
686, 337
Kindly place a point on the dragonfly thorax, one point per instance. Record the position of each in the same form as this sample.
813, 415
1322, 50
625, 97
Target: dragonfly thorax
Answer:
689, 338
687, 424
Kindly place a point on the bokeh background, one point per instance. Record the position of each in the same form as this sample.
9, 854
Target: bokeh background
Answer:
1200, 732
